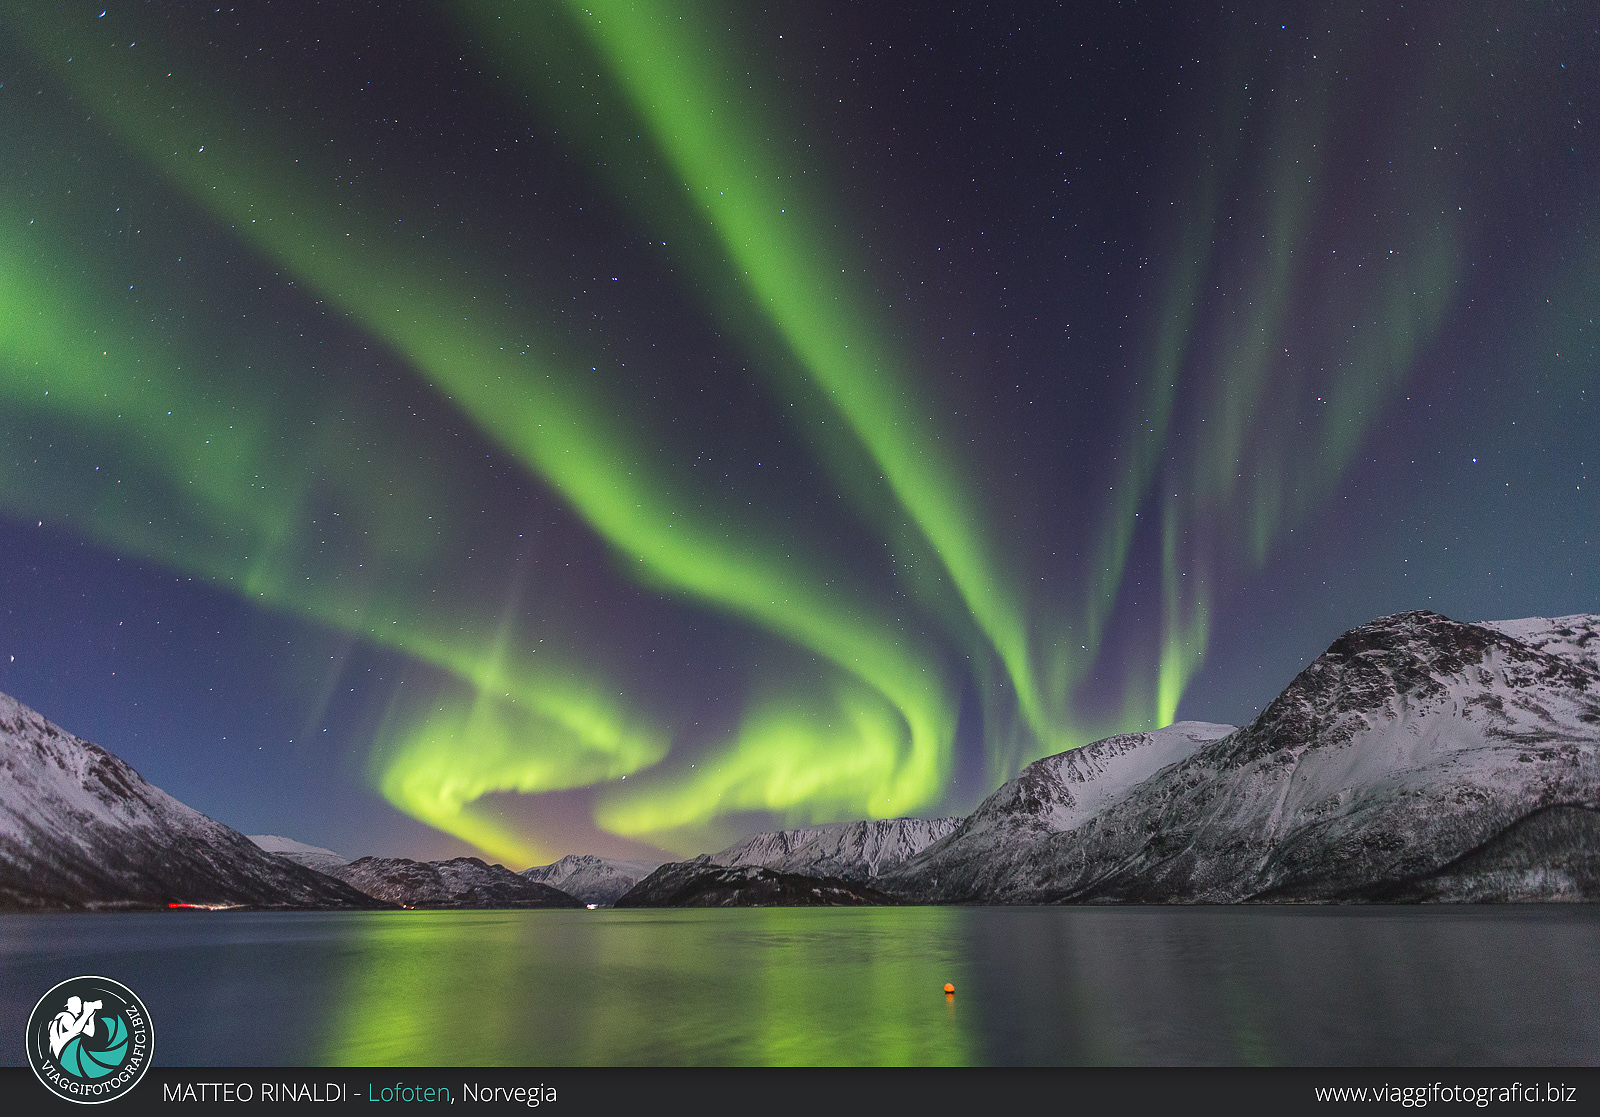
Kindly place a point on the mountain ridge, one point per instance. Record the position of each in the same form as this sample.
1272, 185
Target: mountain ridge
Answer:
594, 880
855, 851
312, 857
1417, 759
460, 882
81, 830
1411, 741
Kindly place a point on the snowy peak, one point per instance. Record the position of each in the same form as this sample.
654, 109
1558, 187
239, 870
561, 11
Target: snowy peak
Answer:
1414, 665
813, 865
1575, 638
312, 857
74, 780
861, 850
765, 848
594, 880
1064, 790
1417, 757
1411, 742
700, 883
1049, 796
845, 850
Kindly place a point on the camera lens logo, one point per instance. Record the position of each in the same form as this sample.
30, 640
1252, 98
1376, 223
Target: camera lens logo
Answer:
90, 1039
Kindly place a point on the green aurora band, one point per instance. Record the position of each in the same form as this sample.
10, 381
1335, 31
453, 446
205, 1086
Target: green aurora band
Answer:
869, 730
676, 77
215, 490
274, 200
677, 81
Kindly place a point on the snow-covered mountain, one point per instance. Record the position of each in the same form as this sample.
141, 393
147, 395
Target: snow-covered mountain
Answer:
815, 865
1418, 758
461, 882
312, 857
594, 880
1050, 796
856, 851
1576, 637
80, 829
701, 883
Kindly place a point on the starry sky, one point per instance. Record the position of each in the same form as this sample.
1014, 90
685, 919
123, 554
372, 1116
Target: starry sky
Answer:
545, 427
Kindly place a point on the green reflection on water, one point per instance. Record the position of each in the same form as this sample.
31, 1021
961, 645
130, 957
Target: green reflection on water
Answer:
762, 986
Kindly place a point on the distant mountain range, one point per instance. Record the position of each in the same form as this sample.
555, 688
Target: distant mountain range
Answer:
851, 851
594, 880
312, 857
1417, 759
461, 882
702, 883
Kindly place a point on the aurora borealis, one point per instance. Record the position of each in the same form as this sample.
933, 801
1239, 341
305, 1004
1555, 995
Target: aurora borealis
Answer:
544, 427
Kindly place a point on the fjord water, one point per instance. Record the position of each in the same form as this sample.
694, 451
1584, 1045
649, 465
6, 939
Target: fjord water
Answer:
1239, 986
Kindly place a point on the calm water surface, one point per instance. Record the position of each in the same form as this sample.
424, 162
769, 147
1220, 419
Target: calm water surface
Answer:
1504, 985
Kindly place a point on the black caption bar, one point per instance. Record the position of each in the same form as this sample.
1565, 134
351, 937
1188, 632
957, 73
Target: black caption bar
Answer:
771, 1092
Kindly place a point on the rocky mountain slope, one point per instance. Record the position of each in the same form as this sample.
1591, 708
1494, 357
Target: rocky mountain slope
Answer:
701, 883
461, 882
855, 851
814, 865
312, 857
1576, 638
1050, 796
594, 880
80, 829
1418, 758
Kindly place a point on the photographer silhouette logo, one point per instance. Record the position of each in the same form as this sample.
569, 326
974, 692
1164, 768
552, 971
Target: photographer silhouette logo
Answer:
90, 1040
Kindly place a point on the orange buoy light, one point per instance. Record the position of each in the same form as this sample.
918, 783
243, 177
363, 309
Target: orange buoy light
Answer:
948, 988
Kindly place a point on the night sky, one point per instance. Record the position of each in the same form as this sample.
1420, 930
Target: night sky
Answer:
546, 427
